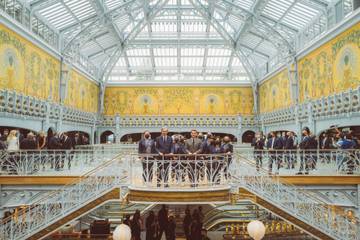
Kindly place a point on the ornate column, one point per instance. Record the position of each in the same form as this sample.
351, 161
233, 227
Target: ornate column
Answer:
46, 121
311, 120
117, 128
239, 128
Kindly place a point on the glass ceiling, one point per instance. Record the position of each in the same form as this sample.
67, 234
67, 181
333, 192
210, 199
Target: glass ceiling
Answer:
179, 40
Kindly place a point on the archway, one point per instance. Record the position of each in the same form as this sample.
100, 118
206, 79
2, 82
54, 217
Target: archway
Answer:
83, 136
248, 136
107, 137
353, 131
23, 131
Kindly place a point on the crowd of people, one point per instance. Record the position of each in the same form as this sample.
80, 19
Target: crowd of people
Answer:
164, 224
14, 140
280, 148
164, 146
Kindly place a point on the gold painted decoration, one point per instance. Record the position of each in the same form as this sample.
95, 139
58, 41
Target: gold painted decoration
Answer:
27, 69
178, 100
274, 93
82, 93
331, 68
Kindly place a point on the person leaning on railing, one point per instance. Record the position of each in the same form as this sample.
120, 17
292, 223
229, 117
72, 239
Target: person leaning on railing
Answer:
146, 147
308, 147
258, 143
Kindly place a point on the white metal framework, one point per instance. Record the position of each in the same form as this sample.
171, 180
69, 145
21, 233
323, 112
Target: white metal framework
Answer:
172, 40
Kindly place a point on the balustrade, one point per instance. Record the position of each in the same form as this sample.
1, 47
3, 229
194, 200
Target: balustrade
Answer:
314, 162
295, 201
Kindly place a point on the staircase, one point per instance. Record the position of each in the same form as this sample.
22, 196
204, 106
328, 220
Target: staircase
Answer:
292, 203
59, 207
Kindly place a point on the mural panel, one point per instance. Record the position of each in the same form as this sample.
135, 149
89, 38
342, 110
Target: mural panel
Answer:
27, 69
332, 68
275, 93
82, 93
178, 100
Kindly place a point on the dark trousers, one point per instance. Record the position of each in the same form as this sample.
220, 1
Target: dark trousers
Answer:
147, 165
274, 158
258, 158
162, 229
163, 170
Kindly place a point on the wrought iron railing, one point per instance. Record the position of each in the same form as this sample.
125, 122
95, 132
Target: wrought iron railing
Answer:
295, 201
52, 162
314, 162
69, 198
180, 170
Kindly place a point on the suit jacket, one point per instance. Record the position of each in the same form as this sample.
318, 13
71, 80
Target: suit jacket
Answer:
277, 143
258, 144
193, 148
68, 144
142, 146
227, 147
162, 146
54, 143
327, 143
28, 144
289, 143
178, 148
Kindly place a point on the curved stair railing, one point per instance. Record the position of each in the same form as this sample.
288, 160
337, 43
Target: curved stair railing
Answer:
66, 200
295, 201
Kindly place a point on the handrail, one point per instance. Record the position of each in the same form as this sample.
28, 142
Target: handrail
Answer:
35, 162
295, 201
69, 197
299, 161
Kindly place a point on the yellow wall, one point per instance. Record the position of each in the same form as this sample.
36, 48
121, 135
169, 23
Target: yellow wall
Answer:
82, 93
275, 92
178, 100
26, 68
332, 68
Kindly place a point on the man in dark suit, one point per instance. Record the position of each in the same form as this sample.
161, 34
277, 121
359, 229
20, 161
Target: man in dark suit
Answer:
193, 146
29, 142
308, 147
68, 145
147, 149
55, 144
258, 143
274, 145
163, 145
289, 150
228, 149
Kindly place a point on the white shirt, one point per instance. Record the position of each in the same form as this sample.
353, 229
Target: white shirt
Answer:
13, 144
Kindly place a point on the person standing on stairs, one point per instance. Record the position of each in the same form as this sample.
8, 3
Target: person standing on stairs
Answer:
150, 226
163, 221
187, 223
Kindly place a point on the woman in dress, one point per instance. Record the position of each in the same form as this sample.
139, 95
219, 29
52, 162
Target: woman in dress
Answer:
12, 141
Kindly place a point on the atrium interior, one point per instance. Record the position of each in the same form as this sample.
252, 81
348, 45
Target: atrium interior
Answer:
180, 119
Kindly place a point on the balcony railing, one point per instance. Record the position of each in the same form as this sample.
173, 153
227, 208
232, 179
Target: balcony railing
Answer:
179, 171
314, 162
53, 162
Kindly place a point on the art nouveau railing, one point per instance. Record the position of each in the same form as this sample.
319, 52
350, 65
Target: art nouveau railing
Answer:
295, 201
346, 102
12, 102
179, 171
182, 171
53, 162
69, 198
313, 162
